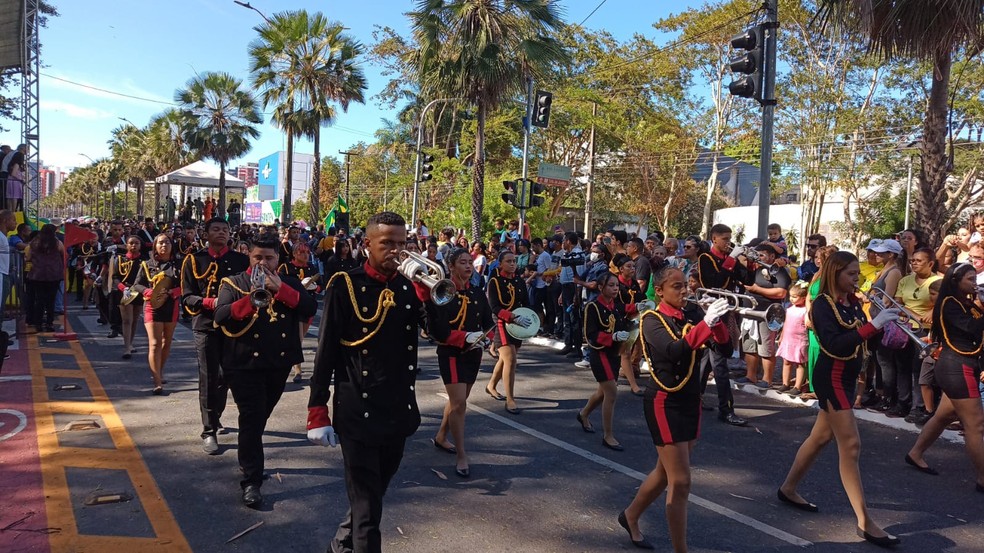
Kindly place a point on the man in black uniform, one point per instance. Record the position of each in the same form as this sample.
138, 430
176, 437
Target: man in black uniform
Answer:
368, 350
261, 345
111, 300
758, 341
716, 269
201, 274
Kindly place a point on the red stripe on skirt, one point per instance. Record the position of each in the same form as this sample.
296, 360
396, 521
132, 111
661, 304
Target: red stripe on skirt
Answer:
609, 373
659, 409
968, 374
503, 337
837, 382
454, 369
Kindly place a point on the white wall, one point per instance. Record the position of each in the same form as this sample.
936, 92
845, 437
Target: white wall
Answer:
789, 216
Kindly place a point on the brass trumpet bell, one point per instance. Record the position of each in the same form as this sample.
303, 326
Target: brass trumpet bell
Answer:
418, 268
774, 315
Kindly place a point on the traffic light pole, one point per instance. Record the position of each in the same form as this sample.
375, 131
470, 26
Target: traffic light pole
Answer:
768, 114
527, 126
416, 165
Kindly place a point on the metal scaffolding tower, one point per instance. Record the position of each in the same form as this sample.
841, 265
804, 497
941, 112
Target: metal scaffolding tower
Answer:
30, 109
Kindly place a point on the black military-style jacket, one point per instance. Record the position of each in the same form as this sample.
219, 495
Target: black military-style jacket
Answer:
261, 339
201, 273
368, 351
448, 324
151, 270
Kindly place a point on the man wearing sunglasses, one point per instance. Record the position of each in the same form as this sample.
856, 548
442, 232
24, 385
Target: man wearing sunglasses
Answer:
809, 267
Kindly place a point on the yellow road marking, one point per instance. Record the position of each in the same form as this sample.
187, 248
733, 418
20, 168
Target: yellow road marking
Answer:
55, 459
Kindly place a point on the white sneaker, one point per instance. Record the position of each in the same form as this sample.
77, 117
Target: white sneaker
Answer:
210, 445
582, 364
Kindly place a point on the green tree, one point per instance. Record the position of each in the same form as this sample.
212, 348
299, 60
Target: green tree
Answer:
483, 51
218, 120
303, 64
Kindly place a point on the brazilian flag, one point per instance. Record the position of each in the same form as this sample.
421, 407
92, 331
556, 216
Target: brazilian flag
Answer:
336, 208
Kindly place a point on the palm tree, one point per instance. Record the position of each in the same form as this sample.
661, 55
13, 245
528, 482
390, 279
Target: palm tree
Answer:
303, 63
218, 119
482, 51
930, 31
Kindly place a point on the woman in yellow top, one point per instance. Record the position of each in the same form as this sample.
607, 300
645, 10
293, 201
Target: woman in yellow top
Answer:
913, 294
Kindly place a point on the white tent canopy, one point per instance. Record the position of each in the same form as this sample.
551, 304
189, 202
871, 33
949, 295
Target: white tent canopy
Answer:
200, 174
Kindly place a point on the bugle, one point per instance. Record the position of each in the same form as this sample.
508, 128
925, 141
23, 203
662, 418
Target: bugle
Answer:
418, 268
259, 296
883, 301
742, 304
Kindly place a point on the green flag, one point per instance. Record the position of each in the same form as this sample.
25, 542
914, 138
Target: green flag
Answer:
338, 207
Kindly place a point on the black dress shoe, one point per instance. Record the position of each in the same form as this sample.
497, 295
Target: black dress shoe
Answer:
252, 497
732, 419
926, 470
584, 424
447, 449
513, 410
808, 507
565, 351
463, 473
884, 541
114, 334
641, 544
613, 447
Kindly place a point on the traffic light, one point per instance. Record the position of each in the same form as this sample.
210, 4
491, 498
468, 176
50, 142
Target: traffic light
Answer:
509, 196
750, 64
541, 108
426, 166
536, 189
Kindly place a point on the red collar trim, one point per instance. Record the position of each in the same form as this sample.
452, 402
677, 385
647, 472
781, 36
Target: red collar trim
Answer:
627, 283
376, 275
668, 309
717, 254
506, 275
609, 305
220, 253
303, 265
132, 255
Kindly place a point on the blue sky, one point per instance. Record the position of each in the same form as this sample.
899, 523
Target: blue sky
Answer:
150, 48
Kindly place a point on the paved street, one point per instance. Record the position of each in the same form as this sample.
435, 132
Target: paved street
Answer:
539, 484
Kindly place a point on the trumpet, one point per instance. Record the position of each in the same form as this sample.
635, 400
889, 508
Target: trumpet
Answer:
418, 268
482, 342
259, 296
743, 305
878, 298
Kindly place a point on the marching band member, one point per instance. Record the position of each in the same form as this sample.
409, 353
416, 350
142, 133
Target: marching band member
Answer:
605, 331
506, 291
261, 344
629, 292
187, 243
958, 325
458, 327
89, 259
300, 268
126, 267
368, 351
160, 321
842, 331
673, 340
201, 273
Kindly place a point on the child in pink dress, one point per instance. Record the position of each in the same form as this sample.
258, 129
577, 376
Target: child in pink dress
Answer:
793, 341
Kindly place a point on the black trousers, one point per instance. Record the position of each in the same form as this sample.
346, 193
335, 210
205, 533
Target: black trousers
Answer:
44, 301
76, 279
256, 394
554, 292
542, 304
102, 304
368, 471
28, 301
718, 363
115, 317
212, 390
572, 316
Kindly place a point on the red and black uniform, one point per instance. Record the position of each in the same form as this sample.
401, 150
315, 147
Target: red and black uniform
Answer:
718, 270
448, 324
673, 342
961, 332
300, 272
601, 320
842, 331
126, 268
506, 292
629, 291
152, 271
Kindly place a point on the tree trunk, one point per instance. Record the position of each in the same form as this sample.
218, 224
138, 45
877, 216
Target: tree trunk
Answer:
705, 227
478, 175
288, 179
315, 195
220, 209
931, 198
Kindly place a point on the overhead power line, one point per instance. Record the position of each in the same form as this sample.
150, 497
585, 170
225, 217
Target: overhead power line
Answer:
602, 3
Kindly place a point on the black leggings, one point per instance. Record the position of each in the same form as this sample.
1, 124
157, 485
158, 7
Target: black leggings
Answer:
44, 301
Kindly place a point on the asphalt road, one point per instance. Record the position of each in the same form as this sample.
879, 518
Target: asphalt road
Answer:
539, 484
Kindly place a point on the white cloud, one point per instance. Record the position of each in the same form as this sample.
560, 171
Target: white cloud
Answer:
73, 110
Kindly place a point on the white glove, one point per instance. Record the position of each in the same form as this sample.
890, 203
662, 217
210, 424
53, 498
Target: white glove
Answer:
620, 336
646, 305
886, 316
324, 436
522, 321
714, 312
473, 337
737, 251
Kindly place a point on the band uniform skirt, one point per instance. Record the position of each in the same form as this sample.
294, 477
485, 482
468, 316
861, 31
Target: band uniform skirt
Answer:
835, 383
167, 313
672, 417
502, 338
461, 368
605, 363
958, 375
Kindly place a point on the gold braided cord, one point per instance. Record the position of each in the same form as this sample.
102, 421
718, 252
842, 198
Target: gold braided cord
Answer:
645, 353
124, 264
509, 288
946, 338
382, 308
252, 320
856, 324
609, 326
462, 315
717, 269
211, 272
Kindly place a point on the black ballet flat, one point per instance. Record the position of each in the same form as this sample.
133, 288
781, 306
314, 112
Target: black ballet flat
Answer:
884, 541
641, 544
463, 473
584, 424
613, 447
513, 410
495, 395
808, 507
925, 470
158, 391
452, 450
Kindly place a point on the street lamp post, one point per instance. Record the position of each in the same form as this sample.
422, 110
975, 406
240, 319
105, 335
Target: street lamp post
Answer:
416, 166
249, 7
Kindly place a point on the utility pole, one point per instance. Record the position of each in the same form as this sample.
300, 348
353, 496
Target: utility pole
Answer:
348, 199
591, 164
771, 28
527, 123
